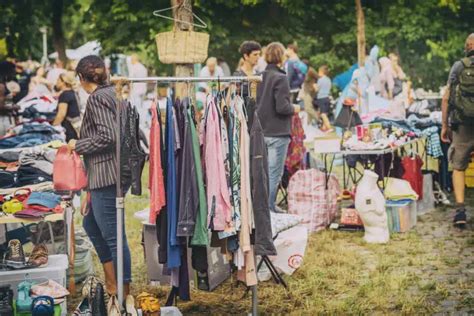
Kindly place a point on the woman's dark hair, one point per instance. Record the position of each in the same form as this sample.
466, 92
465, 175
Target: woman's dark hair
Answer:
92, 69
247, 47
7, 71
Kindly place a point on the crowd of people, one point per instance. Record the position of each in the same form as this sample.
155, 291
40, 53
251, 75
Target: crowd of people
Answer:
289, 86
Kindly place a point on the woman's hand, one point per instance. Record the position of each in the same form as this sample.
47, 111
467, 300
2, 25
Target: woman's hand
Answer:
71, 146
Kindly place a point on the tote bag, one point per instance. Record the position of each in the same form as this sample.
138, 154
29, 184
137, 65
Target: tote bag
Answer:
68, 171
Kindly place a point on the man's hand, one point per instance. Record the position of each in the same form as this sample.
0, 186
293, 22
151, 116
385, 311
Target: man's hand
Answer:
71, 145
445, 134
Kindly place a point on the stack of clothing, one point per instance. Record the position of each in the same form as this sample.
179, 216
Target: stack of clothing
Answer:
31, 166
31, 134
38, 106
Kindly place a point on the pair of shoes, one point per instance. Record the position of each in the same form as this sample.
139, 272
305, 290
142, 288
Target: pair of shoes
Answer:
113, 307
130, 309
6, 301
39, 256
148, 303
23, 300
460, 219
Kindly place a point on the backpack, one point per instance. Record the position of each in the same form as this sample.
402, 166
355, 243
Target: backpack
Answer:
464, 90
299, 73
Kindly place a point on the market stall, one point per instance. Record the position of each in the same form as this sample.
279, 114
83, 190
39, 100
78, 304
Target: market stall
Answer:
29, 202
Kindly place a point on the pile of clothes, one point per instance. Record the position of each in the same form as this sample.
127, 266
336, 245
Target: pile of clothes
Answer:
32, 134
38, 106
31, 166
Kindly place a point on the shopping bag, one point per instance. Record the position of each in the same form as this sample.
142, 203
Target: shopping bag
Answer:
68, 171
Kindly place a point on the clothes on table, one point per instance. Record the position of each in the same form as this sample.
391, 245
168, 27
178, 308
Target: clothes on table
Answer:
31, 134
39, 158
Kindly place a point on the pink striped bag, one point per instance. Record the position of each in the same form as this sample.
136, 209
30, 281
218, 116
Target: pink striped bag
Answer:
308, 198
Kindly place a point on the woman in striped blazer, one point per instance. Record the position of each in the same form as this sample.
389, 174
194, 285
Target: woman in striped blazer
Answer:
97, 145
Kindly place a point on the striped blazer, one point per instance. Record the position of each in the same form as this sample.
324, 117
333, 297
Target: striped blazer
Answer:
97, 139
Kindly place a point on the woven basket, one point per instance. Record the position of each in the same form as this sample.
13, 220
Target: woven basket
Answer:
182, 47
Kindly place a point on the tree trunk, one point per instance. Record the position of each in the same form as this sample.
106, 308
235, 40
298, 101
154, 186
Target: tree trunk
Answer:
59, 42
360, 34
183, 13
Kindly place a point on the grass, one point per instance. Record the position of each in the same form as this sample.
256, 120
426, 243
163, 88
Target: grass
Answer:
341, 274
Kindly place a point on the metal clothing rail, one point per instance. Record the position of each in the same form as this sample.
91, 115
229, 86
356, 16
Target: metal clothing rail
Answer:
188, 79
120, 81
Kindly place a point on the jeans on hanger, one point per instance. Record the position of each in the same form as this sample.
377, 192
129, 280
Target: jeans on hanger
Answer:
100, 225
277, 150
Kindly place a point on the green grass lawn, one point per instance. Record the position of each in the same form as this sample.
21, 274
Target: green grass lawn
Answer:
415, 274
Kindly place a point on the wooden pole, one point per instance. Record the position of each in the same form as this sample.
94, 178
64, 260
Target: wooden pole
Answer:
183, 13
360, 34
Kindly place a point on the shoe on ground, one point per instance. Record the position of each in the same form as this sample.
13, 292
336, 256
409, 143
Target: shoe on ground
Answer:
39, 256
130, 309
460, 218
113, 308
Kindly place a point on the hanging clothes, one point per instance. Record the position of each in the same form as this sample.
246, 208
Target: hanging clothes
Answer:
162, 217
235, 159
156, 182
248, 273
200, 237
260, 190
188, 190
217, 189
172, 144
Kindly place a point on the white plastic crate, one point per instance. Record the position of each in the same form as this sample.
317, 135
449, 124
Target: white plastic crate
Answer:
55, 270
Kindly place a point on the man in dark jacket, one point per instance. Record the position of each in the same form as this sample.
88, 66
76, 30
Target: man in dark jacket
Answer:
275, 111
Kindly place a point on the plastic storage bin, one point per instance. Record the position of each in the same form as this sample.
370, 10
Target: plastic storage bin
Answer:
56, 270
402, 215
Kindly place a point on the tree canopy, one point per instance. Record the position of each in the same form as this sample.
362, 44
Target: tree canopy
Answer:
427, 34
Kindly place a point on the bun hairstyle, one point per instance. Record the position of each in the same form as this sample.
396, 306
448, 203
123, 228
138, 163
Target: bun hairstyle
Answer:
92, 69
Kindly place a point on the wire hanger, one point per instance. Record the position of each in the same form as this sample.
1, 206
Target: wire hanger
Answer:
158, 14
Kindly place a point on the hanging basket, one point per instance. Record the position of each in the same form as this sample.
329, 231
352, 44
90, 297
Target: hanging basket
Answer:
182, 47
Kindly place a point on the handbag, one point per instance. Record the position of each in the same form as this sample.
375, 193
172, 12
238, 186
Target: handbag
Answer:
68, 171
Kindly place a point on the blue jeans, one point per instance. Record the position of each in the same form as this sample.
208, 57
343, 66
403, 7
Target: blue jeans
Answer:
100, 225
277, 151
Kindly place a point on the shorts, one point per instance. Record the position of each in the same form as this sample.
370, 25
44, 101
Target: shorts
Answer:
461, 147
324, 105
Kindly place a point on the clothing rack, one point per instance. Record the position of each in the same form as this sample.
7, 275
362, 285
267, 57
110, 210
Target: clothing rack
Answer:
120, 82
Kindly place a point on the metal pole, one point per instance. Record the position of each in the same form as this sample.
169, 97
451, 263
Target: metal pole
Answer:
119, 205
44, 59
254, 301
188, 79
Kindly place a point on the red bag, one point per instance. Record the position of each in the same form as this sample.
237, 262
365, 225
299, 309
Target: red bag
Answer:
68, 171
413, 174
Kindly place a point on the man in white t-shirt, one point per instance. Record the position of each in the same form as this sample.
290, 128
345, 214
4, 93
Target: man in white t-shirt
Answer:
210, 70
